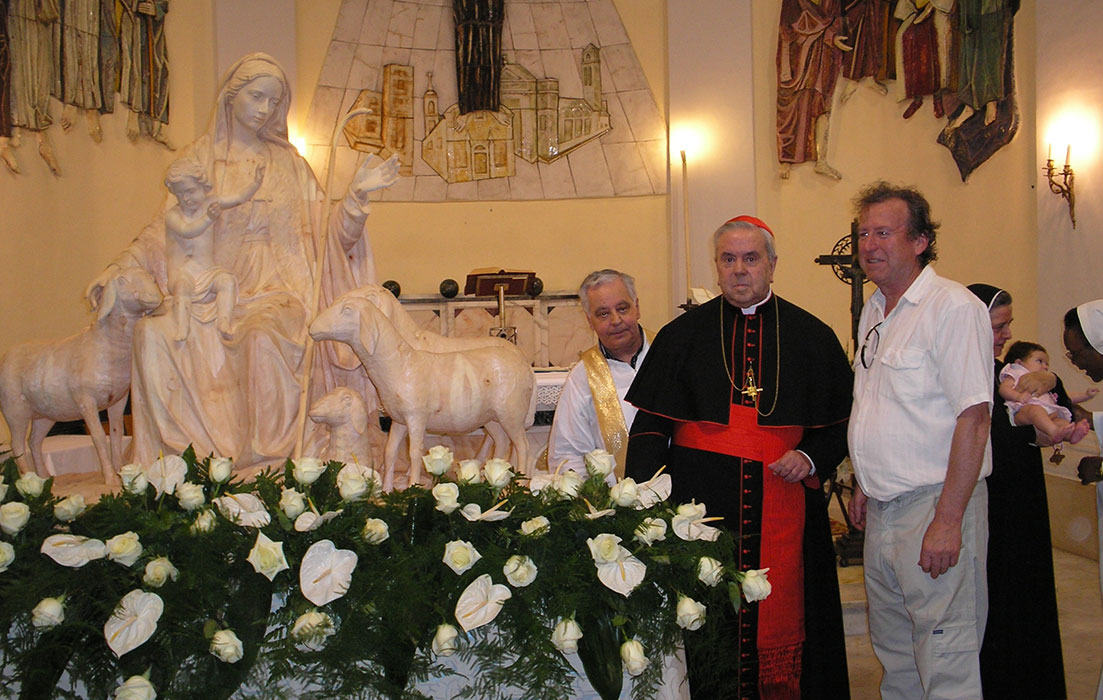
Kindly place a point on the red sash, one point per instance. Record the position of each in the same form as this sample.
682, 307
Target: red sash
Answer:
781, 616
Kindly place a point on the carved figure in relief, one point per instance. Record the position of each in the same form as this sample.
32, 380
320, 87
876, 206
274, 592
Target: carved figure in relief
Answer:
189, 244
439, 392
30, 33
344, 411
77, 377
78, 47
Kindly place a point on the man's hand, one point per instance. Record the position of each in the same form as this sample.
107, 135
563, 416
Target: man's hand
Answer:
1090, 470
1037, 383
856, 509
941, 547
792, 466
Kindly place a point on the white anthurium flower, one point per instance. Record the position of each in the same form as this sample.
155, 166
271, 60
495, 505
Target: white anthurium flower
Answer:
460, 556
474, 512
599, 463
190, 495
470, 471
69, 508
133, 622
375, 531
447, 496
536, 527
355, 482
167, 473
519, 571
136, 688
14, 516
481, 602
220, 469
245, 509
498, 472
134, 480
617, 569
438, 460
565, 636
691, 614
7, 556
541, 481
650, 531
631, 653
306, 470
125, 548
593, 513
73, 551
653, 491
755, 584
50, 612
709, 571
444, 641
310, 520
292, 503
625, 492
267, 557
312, 629
689, 521
30, 485
326, 572
226, 646
159, 572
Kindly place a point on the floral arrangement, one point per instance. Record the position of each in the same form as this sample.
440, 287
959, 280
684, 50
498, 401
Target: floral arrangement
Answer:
188, 583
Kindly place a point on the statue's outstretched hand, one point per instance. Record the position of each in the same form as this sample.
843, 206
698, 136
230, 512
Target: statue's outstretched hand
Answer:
368, 179
94, 291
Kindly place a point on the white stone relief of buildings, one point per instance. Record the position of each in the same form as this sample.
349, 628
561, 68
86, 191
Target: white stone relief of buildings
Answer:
576, 120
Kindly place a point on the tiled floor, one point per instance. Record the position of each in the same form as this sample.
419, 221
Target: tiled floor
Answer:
1079, 607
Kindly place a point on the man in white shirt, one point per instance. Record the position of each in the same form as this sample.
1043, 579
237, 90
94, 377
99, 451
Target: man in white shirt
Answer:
592, 413
919, 442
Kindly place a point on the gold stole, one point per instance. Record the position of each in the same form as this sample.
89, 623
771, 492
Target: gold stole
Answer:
610, 417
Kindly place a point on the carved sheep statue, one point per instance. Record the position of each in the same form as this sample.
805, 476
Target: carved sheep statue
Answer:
76, 377
343, 410
439, 392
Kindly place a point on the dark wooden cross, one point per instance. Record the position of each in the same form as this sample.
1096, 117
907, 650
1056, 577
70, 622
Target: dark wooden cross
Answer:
847, 265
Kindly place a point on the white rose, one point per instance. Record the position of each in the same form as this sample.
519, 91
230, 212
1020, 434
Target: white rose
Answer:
158, 572
136, 688
444, 641
292, 503
565, 636
375, 531
438, 461
470, 471
624, 493
3, 489
135, 482
460, 556
448, 497
709, 571
30, 485
227, 647
48, 613
13, 516
307, 469
312, 628
67, 509
190, 495
605, 548
519, 570
650, 531
692, 511
755, 585
567, 483
124, 549
631, 653
220, 469
537, 526
354, 481
204, 522
599, 463
498, 472
7, 556
267, 557
691, 614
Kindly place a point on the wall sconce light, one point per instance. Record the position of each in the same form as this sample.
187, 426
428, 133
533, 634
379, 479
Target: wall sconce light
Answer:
1063, 188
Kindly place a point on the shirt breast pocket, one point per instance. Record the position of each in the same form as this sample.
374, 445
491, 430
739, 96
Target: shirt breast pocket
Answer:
908, 377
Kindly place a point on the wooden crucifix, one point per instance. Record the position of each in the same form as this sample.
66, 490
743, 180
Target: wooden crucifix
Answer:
843, 260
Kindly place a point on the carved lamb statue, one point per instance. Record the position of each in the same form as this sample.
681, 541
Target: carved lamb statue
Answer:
439, 392
77, 377
343, 410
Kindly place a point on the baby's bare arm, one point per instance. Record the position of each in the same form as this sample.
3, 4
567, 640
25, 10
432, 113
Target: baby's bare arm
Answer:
1010, 393
179, 225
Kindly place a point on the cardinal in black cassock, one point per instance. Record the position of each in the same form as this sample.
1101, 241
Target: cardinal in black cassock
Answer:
723, 393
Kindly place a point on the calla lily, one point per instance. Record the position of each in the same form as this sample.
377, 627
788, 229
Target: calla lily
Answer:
481, 602
73, 551
326, 572
167, 473
245, 509
133, 622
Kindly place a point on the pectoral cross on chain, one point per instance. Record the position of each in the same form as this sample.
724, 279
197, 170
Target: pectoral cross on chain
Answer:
749, 388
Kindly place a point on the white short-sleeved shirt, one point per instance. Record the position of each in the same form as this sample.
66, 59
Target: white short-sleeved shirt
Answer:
575, 430
928, 361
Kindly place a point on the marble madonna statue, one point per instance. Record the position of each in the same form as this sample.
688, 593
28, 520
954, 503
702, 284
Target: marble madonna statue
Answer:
237, 394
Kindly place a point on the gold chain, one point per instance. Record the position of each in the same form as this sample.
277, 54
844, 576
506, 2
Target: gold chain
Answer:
749, 389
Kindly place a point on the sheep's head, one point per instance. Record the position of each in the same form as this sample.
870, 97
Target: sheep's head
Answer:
340, 406
340, 322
